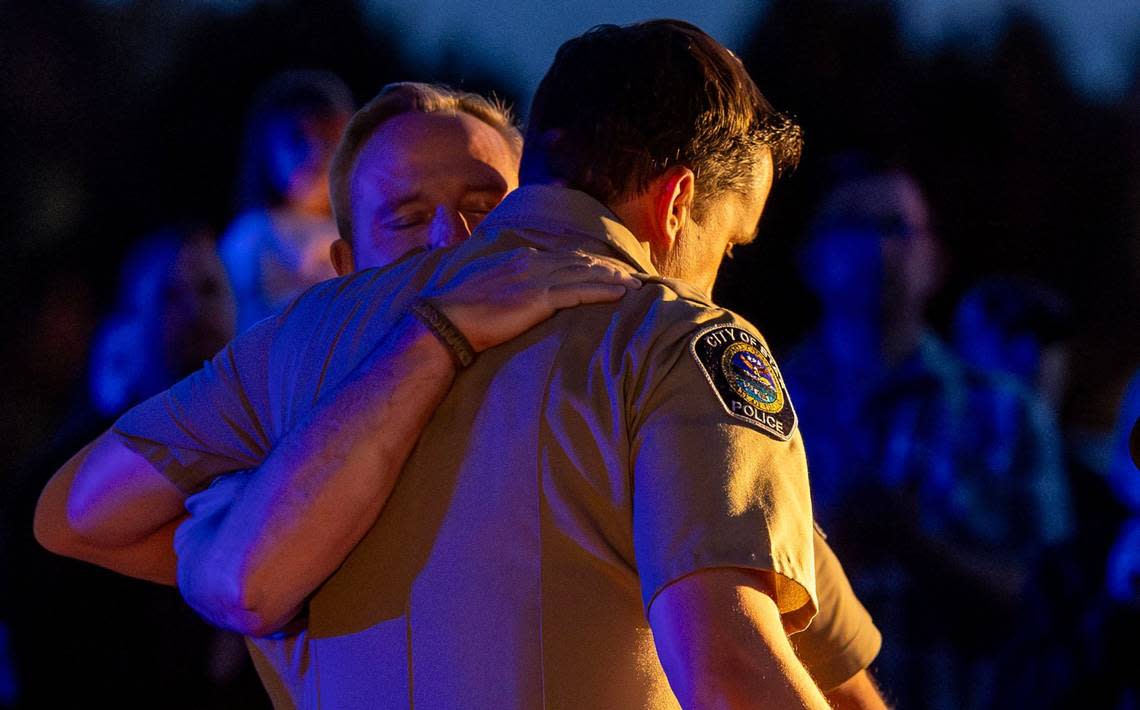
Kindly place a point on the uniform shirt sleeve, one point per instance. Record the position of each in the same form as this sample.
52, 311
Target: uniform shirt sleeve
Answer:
714, 489
841, 640
210, 423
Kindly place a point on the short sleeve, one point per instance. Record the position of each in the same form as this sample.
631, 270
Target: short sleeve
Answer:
210, 423
714, 483
841, 640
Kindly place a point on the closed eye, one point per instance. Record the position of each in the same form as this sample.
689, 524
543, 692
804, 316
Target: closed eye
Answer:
406, 222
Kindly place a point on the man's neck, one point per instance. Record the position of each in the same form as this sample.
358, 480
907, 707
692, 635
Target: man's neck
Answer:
633, 217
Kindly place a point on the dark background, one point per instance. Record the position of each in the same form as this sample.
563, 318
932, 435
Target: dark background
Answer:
116, 120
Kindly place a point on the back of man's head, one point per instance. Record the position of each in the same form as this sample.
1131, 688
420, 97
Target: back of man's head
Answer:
394, 100
621, 105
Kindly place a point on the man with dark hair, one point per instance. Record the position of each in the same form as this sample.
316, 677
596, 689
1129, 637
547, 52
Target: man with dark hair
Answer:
429, 191
610, 154
644, 447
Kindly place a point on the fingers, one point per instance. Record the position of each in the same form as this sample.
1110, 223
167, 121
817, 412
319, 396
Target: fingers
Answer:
575, 267
525, 273
589, 273
558, 267
576, 294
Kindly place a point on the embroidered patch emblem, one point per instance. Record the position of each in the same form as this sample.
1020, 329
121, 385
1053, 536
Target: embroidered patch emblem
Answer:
744, 376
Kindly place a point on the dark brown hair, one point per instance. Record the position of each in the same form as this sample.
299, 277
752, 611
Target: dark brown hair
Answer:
620, 105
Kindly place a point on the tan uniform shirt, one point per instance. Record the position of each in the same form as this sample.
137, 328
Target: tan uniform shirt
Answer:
842, 640
568, 476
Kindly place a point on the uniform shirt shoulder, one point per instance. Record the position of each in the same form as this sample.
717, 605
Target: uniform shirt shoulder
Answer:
720, 477
360, 293
680, 328
672, 311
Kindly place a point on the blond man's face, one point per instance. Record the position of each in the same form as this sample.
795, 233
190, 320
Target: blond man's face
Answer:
425, 181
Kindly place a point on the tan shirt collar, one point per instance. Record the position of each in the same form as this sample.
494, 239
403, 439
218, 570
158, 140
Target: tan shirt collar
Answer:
566, 212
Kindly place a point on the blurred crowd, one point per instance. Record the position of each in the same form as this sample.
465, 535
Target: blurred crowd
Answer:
992, 557
951, 282
183, 292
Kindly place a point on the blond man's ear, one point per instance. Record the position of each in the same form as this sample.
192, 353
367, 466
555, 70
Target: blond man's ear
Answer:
340, 252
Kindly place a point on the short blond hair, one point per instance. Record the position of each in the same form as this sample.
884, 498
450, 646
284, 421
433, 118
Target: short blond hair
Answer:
394, 100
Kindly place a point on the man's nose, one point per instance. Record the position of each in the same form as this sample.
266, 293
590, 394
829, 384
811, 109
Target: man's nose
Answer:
448, 227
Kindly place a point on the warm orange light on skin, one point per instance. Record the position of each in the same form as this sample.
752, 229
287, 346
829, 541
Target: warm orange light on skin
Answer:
424, 180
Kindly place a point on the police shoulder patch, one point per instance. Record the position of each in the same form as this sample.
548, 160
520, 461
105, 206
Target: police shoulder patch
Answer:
744, 377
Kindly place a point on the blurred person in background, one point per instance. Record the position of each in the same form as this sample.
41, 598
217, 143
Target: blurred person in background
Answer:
175, 310
111, 637
1108, 629
1123, 577
1015, 333
1123, 475
1020, 328
1011, 337
278, 245
873, 262
940, 480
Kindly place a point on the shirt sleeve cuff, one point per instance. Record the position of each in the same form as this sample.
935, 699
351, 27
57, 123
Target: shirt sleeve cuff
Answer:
795, 584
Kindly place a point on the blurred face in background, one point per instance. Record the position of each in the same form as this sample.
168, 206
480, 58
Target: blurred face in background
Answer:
424, 181
875, 254
990, 346
177, 310
302, 149
911, 264
196, 309
843, 266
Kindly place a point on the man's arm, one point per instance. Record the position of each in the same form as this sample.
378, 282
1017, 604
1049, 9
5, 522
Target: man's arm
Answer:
320, 489
722, 525
858, 692
722, 643
322, 486
108, 506
842, 640
114, 500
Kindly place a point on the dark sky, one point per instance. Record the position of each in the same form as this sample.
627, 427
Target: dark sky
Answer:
1098, 38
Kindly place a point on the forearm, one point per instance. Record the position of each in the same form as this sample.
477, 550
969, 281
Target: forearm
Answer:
152, 558
138, 547
321, 487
